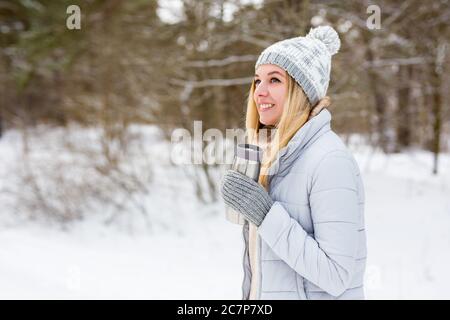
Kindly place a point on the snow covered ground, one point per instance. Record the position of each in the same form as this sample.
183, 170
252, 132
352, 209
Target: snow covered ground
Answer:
193, 253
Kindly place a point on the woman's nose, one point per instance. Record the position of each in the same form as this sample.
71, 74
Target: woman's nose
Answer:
261, 90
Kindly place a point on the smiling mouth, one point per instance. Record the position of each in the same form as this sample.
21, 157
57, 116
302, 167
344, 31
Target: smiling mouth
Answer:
266, 106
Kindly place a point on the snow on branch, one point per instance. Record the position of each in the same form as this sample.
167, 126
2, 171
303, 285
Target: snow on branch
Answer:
223, 62
399, 61
212, 82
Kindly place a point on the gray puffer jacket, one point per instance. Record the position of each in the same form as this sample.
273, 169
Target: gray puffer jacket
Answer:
312, 243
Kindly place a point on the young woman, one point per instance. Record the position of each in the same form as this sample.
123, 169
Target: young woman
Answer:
304, 236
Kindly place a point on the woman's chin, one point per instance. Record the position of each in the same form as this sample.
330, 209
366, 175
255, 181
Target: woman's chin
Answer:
267, 122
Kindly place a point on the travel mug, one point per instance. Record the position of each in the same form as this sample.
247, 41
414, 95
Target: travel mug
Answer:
247, 160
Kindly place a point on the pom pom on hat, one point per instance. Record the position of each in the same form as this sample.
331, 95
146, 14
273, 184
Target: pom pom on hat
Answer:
328, 36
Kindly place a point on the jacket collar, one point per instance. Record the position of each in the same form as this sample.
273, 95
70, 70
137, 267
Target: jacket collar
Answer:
302, 139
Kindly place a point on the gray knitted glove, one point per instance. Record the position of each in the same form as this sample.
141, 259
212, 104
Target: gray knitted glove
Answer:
246, 196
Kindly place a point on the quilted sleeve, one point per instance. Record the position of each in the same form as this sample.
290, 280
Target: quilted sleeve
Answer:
328, 259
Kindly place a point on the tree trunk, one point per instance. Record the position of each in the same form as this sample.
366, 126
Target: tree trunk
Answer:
404, 109
380, 102
437, 114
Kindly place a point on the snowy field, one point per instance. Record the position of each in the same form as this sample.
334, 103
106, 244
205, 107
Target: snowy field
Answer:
193, 253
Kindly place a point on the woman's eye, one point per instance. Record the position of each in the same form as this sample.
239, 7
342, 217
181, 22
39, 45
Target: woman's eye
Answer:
257, 81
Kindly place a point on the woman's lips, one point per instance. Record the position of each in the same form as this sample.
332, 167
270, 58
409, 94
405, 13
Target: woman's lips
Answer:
265, 106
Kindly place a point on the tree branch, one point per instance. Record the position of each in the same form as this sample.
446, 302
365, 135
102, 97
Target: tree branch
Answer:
212, 82
221, 63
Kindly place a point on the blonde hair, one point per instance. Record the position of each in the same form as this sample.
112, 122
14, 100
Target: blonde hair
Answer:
296, 111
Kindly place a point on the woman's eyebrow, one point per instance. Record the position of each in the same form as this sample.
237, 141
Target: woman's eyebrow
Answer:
272, 73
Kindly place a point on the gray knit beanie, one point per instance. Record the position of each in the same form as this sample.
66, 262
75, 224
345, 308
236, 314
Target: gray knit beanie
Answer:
306, 59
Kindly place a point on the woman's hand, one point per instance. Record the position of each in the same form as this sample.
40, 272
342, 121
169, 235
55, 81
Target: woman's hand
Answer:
246, 196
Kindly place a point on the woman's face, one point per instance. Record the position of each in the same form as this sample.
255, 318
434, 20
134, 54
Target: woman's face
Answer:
270, 92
